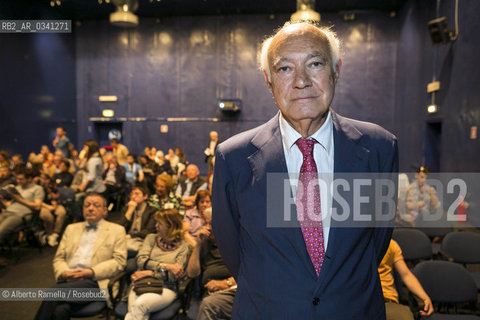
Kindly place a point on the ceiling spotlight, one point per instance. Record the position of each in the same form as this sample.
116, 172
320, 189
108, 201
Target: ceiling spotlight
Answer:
432, 108
305, 12
124, 15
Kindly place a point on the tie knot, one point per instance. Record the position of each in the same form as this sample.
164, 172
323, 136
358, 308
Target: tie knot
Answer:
306, 146
89, 227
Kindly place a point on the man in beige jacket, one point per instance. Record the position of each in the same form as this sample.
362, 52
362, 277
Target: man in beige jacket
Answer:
89, 254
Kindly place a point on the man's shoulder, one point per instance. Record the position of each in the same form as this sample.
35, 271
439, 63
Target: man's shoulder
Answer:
243, 140
369, 129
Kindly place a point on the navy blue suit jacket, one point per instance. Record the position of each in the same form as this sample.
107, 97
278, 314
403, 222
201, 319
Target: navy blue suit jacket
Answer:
275, 276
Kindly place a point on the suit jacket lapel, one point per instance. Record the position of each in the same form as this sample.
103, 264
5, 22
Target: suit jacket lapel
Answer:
269, 157
101, 235
349, 156
76, 236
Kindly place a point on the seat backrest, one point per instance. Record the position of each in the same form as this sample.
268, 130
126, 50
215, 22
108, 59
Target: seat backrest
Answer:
446, 282
415, 244
463, 247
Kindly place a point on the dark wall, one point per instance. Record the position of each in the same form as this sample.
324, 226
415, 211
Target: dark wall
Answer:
179, 67
37, 88
456, 66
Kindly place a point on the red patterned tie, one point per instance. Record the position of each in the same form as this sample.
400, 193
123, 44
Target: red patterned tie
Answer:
308, 205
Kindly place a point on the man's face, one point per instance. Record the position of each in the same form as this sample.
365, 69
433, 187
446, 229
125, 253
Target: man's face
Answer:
94, 209
302, 81
130, 159
421, 177
60, 132
192, 172
56, 160
23, 181
63, 167
138, 196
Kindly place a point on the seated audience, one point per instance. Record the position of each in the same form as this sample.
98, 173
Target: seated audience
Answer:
173, 158
19, 202
89, 254
16, 162
194, 218
188, 187
163, 255
133, 171
63, 178
52, 213
164, 198
6, 176
92, 178
113, 177
219, 285
138, 218
393, 259
4, 158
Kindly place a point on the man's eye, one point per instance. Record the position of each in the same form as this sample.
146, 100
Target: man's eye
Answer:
283, 69
317, 64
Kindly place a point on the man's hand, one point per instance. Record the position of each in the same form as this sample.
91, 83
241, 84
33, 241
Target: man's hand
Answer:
427, 308
132, 204
216, 285
79, 274
202, 234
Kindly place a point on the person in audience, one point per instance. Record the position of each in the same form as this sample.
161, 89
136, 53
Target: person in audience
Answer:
220, 287
114, 177
421, 199
57, 159
119, 151
164, 198
181, 155
61, 142
6, 176
194, 219
16, 162
187, 188
138, 218
89, 254
393, 260
19, 202
4, 158
44, 152
210, 151
133, 170
173, 158
150, 171
52, 213
92, 178
164, 165
63, 178
163, 255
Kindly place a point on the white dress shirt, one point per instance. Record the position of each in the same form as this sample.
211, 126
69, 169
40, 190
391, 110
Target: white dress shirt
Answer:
323, 155
83, 256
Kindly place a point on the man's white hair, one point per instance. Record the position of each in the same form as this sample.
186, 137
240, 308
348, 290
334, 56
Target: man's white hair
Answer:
331, 36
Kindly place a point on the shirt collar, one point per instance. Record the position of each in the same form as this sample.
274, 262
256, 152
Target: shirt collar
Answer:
322, 135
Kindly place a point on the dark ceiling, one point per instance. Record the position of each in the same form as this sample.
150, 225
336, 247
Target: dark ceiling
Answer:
93, 9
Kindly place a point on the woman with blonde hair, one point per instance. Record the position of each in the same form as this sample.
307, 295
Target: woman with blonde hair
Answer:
164, 255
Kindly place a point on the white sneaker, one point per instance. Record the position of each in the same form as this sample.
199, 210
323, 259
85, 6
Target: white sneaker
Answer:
52, 239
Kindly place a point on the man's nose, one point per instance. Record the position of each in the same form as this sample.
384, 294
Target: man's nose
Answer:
302, 78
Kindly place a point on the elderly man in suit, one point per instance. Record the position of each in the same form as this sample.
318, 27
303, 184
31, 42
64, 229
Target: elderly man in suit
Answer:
313, 268
89, 254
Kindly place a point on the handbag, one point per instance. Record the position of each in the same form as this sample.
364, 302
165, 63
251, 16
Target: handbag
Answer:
148, 285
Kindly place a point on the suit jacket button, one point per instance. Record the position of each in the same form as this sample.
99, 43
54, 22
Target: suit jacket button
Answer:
316, 301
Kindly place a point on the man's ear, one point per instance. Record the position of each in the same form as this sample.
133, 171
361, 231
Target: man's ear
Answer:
269, 84
337, 69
